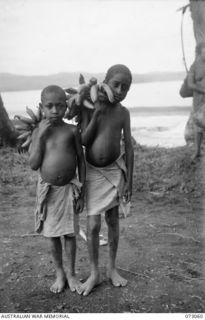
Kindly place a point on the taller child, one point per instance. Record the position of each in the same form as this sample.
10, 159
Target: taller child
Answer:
109, 177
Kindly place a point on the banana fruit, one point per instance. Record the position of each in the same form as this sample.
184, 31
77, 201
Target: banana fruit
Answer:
27, 121
87, 104
24, 135
39, 115
27, 142
104, 87
94, 93
26, 125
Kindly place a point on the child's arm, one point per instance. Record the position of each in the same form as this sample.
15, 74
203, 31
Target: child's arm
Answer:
89, 126
81, 170
36, 149
129, 154
191, 81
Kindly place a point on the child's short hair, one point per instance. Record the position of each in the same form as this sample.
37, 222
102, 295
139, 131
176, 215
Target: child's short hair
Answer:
55, 89
118, 68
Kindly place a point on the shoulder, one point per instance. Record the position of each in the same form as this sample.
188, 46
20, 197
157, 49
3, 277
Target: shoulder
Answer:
124, 111
67, 129
69, 126
72, 128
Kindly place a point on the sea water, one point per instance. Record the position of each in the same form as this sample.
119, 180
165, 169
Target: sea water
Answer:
147, 102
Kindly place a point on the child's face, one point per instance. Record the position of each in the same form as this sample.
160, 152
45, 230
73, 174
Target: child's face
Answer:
120, 84
54, 106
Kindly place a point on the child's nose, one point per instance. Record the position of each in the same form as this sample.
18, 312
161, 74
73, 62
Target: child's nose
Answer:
54, 109
119, 89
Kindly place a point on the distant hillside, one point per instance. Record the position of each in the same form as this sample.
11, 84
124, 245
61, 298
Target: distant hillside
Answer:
13, 82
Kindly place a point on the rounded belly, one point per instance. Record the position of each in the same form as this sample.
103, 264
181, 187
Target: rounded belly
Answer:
104, 150
58, 168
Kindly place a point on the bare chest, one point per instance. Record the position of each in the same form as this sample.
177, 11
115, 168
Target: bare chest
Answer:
59, 139
110, 121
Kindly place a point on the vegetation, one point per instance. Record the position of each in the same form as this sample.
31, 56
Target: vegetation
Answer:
165, 169
157, 170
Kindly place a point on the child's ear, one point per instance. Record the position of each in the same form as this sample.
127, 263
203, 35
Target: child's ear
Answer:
41, 110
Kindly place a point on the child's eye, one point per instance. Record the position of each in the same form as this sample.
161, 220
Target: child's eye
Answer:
115, 84
59, 105
49, 106
124, 87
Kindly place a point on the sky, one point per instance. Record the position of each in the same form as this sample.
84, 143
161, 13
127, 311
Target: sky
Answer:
40, 37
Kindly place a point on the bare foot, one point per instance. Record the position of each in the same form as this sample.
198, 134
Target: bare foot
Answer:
74, 283
59, 284
90, 283
116, 279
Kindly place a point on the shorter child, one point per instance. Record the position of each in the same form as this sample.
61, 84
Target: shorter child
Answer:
56, 151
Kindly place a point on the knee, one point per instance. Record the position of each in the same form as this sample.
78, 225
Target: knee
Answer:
94, 227
111, 222
55, 243
112, 217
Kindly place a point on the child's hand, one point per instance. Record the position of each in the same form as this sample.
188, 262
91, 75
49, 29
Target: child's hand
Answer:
99, 107
127, 194
43, 127
79, 205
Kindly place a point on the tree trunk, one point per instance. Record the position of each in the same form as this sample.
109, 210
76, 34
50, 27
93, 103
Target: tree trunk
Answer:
7, 131
197, 8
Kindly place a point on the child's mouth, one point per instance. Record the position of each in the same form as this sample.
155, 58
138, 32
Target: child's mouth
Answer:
54, 119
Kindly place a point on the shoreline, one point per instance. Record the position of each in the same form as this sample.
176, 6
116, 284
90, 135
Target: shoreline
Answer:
146, 111
166, 110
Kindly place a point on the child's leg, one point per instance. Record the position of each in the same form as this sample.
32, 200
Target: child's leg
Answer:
93, 229
112, 219
199, 137
70, 250
56, 250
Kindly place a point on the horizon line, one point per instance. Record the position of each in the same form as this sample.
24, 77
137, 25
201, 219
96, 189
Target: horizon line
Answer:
84, 72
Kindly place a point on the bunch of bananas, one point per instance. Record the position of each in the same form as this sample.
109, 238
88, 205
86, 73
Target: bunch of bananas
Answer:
86, 95
26, 125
